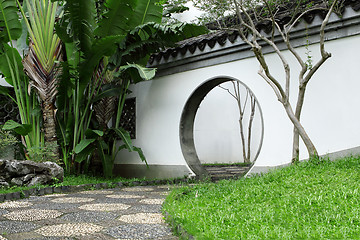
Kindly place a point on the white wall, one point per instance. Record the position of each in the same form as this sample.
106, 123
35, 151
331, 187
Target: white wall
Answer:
3, 82
331, 113
217, 126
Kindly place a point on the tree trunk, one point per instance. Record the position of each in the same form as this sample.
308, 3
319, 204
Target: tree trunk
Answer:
299, 104
307, 141
253, 105
246, 160
50, 129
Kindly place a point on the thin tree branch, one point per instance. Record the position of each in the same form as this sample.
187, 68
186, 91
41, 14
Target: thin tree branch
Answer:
272, 20
324, 55
264, 68
272, 85
301, 15
227, 91
294, 15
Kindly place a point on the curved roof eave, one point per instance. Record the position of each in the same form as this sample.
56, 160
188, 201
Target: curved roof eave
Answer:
205, 50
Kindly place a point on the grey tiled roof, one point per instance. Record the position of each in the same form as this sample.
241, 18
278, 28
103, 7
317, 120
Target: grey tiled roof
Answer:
222, 36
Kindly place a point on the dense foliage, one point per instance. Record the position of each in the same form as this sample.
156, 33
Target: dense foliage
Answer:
81, 57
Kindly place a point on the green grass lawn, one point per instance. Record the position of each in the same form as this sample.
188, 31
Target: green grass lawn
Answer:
312, 200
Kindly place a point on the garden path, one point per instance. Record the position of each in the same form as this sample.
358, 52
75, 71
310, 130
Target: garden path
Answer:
122, 213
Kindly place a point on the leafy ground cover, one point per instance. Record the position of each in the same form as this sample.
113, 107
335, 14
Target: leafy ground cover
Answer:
310, 200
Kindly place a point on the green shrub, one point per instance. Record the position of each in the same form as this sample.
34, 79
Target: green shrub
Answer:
7, 144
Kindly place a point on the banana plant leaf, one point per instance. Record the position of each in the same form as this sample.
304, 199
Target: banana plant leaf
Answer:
22, 129
115, 20
84, 154
93, 133
138, 73
84, 143
141, 154
5, 68
146, 11
135, 149
4, 90
125, 137
9, 20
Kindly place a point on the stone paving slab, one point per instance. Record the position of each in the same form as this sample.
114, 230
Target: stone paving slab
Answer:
122, 213
217, 172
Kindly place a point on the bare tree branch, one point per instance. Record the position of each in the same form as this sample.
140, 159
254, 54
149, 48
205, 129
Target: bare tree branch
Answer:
227, 91
273, 86
264, 68
302, 15
324, 55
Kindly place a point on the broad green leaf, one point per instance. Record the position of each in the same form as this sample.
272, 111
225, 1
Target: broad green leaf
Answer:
136, 149
148, 38
100, 48
121, 147
141, 154
114, 21
5, 68
22, 129
190, 30
10, 26
61, 31
84, 154
146, 11
125, 137
83, 144
98, 132
138, 73
4, 90
175, 9
103, 144
81, 16
93, 133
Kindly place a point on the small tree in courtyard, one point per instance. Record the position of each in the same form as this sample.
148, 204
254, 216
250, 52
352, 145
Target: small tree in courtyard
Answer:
281, 16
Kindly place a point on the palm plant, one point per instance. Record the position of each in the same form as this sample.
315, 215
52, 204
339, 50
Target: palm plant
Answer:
43, 60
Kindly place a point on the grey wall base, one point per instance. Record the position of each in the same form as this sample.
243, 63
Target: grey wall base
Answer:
331, 156
151, 172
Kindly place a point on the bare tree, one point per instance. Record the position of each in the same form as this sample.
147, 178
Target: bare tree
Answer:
242, 103
282, 16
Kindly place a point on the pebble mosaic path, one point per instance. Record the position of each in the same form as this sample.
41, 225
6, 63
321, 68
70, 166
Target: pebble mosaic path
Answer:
122, 213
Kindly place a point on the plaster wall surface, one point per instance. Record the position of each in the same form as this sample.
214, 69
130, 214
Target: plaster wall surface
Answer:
3, 82
330, 114
217, 125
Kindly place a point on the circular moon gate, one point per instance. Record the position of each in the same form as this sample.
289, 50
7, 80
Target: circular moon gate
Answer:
188, 118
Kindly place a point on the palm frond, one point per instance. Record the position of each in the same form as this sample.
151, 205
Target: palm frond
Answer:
44, 78
42, 62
